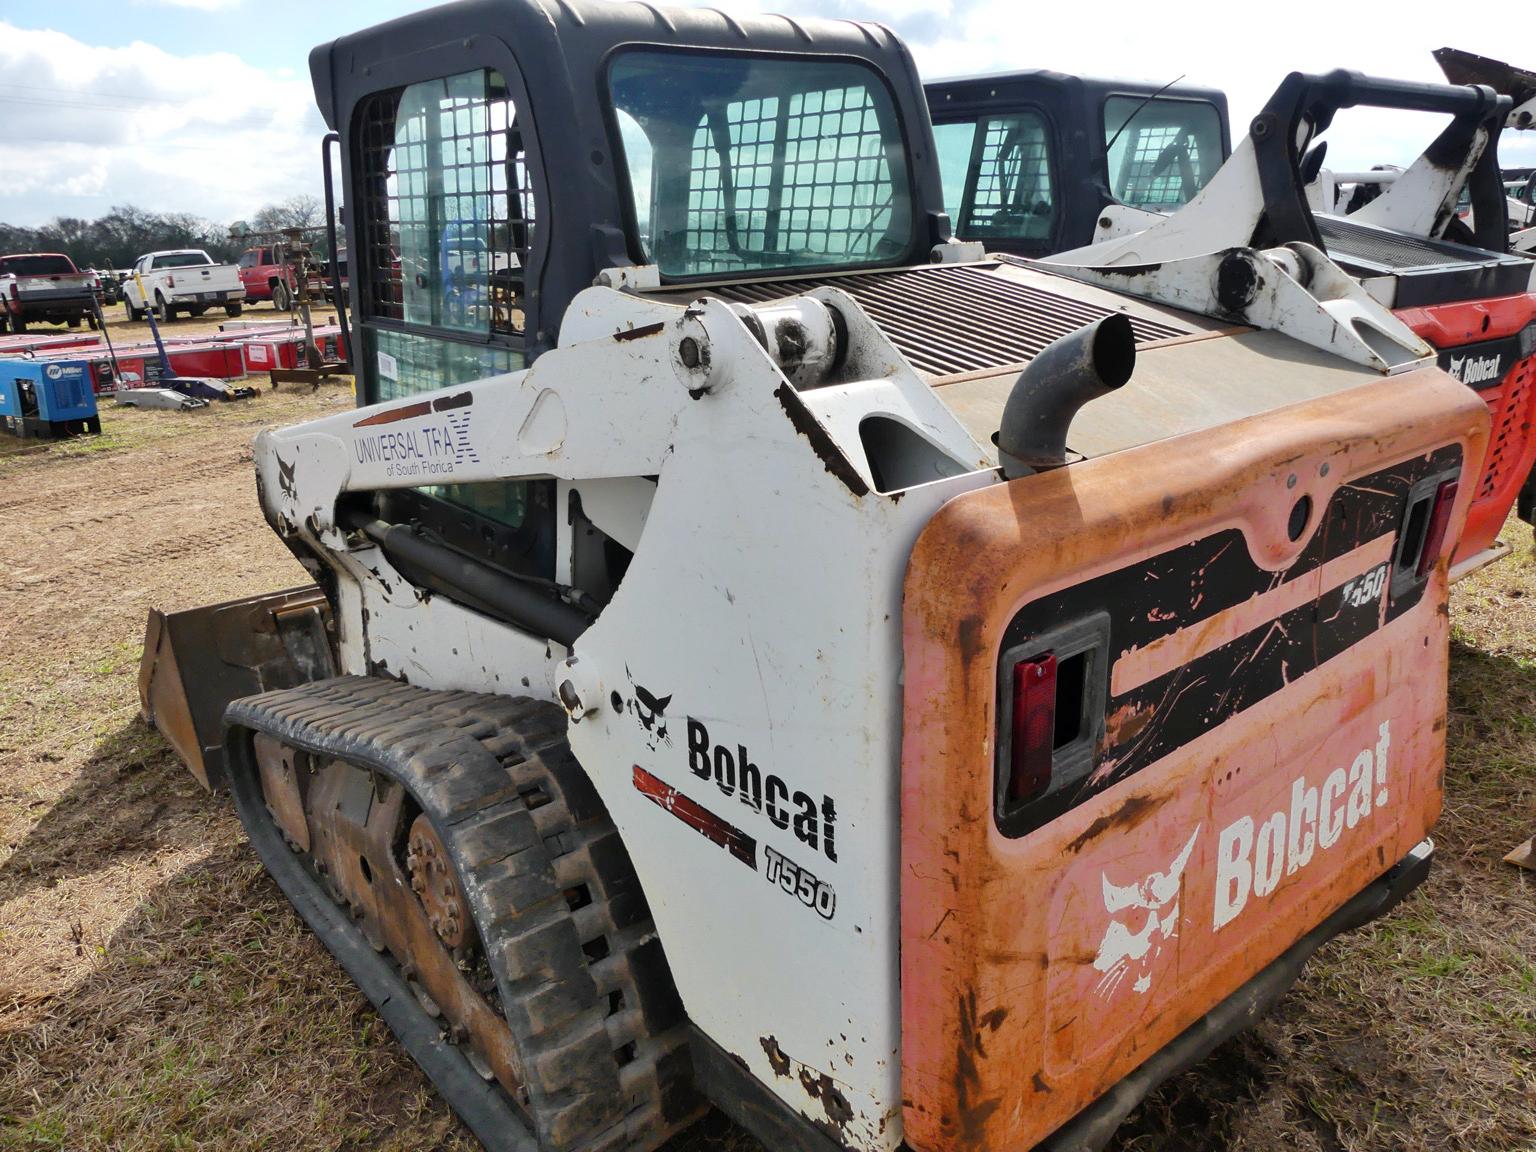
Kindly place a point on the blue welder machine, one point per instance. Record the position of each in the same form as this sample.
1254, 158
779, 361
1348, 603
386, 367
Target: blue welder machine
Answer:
51, 398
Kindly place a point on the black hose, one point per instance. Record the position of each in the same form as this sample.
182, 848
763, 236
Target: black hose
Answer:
519, 603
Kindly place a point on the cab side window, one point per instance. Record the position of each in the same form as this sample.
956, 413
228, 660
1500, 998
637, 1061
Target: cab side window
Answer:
448, 226
1008, 191
447, 212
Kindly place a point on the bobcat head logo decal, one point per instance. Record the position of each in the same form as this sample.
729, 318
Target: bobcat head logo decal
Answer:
1131, 947
285, 479
651, 711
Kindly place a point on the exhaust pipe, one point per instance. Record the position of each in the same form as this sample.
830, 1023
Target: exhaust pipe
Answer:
1069, 372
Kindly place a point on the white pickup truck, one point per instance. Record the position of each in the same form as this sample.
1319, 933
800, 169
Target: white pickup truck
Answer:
1520, 199
186, 280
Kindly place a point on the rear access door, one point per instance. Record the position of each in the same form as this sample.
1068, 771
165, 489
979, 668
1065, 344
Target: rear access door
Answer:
1166, 710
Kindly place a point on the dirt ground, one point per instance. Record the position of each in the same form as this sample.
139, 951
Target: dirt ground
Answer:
157, 993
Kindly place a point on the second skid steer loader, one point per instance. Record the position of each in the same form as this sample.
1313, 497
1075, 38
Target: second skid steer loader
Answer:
1154, 151
764, 655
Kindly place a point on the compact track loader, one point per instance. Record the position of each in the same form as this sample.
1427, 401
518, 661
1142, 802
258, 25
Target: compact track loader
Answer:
1031, 159
1519, 84
1022, 185
763, 654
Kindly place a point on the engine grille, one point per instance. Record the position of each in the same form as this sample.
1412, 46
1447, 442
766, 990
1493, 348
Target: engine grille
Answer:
1392, 250
1427, 272
1508, 439
953, 319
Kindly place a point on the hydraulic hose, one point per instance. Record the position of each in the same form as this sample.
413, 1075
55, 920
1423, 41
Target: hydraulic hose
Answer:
520, 603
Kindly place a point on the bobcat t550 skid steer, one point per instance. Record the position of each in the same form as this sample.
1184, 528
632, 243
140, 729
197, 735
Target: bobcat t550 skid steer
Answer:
763, 654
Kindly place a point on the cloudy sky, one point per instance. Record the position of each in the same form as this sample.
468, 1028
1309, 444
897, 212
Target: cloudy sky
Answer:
205, 106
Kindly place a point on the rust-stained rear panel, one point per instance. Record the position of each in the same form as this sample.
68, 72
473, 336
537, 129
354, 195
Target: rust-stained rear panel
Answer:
1274, 740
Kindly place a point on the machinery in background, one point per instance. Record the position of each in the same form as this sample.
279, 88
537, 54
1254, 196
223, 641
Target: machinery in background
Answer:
1030, 159
1454, 285
271, 272
109, 285
47, 398
1519, 84
293, 277
204, 388
167, 398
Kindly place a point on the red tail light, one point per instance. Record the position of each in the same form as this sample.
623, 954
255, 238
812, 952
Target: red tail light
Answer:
1439, 518
170, 281
1034, 727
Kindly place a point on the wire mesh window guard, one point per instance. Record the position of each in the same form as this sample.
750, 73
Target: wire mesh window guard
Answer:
449, 212
1161, 152
745, 163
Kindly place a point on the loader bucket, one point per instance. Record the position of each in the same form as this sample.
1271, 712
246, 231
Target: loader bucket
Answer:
195, 662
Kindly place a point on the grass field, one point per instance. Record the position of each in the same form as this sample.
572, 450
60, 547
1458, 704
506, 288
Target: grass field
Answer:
157, 993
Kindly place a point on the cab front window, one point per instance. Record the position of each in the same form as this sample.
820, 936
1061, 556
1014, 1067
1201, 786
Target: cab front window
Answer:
741, 163
998, 182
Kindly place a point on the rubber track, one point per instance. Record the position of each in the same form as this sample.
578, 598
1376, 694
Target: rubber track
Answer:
584, 985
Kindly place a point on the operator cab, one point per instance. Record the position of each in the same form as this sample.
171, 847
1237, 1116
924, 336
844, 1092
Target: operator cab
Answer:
500, 157
1030, 159
489, 184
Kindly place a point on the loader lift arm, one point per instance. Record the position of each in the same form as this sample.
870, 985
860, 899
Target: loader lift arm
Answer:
1465, 152
1251, 236
1258, 197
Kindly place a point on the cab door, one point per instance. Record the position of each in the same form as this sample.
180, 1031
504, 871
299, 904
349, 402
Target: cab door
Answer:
448, 205
1004, 155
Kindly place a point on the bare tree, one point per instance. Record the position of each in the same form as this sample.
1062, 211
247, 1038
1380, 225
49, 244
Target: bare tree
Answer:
118, 238
125, 233
301, 211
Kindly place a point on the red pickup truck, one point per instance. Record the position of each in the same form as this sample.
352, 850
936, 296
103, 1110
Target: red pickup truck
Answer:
47, 288
267, 275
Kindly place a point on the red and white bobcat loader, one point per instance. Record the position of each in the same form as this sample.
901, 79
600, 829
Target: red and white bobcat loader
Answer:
764, 654
1455, 286
1519, 85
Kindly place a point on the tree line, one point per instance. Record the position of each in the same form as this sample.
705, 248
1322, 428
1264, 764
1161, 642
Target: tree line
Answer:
125, 233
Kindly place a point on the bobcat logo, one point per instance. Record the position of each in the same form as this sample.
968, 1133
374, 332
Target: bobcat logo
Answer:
1125, 953
1472, 369
285, 479
651, 711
